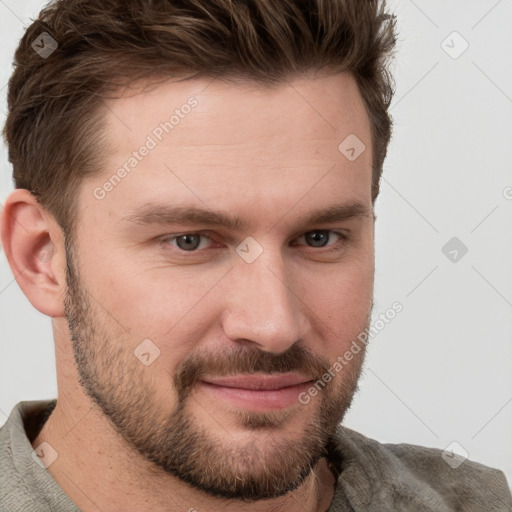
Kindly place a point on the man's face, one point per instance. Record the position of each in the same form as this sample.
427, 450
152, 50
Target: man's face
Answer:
196, 339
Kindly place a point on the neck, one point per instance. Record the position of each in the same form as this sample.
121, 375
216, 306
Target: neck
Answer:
99, 470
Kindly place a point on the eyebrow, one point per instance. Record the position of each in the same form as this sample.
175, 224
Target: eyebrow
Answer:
158, 214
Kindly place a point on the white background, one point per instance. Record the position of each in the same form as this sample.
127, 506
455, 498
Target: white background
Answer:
441, 370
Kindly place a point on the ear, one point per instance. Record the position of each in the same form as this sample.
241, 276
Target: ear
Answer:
34, 246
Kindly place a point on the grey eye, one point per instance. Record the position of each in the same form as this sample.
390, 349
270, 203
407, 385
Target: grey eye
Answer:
317, 238
188, 242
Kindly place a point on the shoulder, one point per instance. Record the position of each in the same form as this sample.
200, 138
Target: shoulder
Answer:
412, 477
22, 480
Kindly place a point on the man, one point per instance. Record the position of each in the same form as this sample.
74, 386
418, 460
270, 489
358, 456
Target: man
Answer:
194, 198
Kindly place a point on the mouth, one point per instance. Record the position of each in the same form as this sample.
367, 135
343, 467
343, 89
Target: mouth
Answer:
258, 392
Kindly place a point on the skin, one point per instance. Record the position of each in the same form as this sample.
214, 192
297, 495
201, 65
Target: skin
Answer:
268, 156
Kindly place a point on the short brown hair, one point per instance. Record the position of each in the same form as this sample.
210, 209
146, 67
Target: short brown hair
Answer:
54, 103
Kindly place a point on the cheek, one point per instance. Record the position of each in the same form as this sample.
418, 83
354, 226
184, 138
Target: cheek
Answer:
340, 304
172, 307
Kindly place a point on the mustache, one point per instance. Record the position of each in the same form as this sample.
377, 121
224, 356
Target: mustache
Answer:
246, 360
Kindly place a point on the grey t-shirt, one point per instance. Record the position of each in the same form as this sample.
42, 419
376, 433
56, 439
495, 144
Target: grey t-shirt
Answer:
372, 477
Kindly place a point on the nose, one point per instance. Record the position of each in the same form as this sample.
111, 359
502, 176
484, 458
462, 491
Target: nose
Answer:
262, 308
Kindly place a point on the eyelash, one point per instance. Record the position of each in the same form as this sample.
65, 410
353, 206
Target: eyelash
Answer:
330, 248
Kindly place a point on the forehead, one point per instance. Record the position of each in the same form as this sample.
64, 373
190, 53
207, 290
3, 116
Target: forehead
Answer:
325, 103
215, 142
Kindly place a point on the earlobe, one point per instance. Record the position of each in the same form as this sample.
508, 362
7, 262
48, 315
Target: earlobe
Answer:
34, 246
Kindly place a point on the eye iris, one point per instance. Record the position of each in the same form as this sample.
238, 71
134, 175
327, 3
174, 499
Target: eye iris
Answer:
194, 240
318, 238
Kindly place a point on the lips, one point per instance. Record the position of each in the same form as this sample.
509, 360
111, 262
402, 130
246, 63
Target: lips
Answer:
255, 392
259, 382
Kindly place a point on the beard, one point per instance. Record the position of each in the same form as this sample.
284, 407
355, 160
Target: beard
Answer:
263, 463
